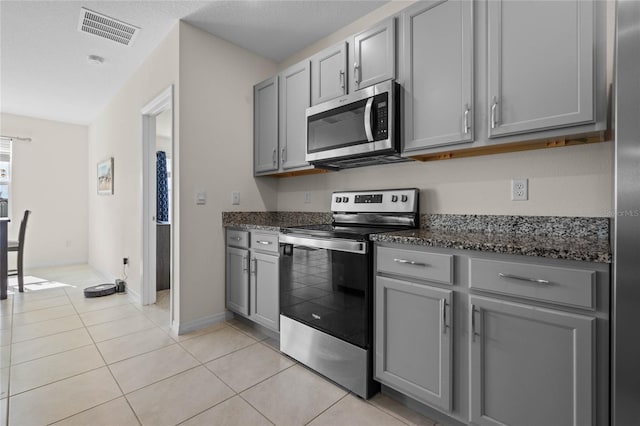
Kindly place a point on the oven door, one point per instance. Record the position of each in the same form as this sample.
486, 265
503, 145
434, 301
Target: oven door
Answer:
326, 284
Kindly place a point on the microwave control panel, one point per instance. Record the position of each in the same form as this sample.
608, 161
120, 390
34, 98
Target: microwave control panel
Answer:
381, 128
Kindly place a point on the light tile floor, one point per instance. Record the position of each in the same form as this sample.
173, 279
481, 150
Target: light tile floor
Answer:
67, 360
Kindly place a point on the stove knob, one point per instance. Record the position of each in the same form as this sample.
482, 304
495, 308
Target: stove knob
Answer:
338, 199
405, 198
394, 198
345, 199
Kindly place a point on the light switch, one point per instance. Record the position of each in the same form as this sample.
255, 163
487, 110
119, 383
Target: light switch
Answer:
235, 198
201, 197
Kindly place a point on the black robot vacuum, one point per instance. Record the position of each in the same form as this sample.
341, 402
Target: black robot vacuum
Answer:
100, 290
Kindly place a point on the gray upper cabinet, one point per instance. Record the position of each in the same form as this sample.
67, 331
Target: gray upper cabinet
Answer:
413, 340
375, 55
265, 126
329, 74
540, 65
437, 73
530, 366
295, 98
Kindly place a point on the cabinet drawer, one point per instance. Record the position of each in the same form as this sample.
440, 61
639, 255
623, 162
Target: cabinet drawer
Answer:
416, 264
237, 238
566, 286
264, 241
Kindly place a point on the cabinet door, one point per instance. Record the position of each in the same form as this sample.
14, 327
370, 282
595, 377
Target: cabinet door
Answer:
238, 280
329, 74
375, 55
413, 340
265, 286
295, 98
437, 73
530, 366
265, 126
540, 64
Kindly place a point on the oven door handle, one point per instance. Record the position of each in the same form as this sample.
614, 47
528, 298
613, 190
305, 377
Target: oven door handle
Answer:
339, 244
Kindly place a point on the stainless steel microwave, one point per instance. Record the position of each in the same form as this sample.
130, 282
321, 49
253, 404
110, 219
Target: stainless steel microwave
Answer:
358, 129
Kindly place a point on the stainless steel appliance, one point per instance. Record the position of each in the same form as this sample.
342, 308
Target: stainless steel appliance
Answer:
625, 401
326, 285
359, 129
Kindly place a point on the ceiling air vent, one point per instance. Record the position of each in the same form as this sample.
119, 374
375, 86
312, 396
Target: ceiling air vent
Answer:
103, 26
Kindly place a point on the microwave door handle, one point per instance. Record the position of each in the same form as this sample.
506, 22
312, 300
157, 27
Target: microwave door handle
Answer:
367, 120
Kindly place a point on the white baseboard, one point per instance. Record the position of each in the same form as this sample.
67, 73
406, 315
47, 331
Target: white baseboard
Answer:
187, 327
134, 296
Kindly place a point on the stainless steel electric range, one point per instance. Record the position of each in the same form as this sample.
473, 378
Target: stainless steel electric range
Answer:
326, 285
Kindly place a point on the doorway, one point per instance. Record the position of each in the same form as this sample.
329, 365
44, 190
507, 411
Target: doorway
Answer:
158, 203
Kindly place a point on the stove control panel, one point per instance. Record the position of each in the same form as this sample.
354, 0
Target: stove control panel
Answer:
379, 201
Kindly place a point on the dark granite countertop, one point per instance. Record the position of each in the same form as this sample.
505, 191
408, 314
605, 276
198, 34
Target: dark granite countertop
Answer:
272, 221
569, 238
568, 248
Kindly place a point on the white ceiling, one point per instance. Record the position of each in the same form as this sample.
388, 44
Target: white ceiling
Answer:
44, 70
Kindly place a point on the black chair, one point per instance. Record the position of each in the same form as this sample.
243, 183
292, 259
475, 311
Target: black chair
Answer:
19, 247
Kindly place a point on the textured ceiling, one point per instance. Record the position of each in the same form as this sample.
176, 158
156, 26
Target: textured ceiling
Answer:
44, 70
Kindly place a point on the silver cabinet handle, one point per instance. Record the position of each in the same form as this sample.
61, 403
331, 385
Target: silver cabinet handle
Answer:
255, 266
341, 76
443, 306
282, 157
245, 264
236, 238
410, 262
494, 105
467, 126
367, 120
274, 157
531, 280
473, 323
356, 76
266, 243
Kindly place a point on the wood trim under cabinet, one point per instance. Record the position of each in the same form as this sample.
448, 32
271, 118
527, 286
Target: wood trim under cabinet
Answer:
593, 137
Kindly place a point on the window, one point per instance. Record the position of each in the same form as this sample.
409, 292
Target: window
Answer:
5, 176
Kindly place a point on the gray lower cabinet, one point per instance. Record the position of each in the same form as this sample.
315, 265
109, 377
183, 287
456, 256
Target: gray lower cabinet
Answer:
530, 366
265, 279
237, 271
413, 341
238, 280
492, 339
253, 276
265, 285
437, 73
540, 79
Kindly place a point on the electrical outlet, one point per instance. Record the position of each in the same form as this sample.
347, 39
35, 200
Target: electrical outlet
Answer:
307, 197
519, 189
235, 198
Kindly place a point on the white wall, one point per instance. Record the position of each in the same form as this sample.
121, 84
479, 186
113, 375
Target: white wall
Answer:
216, 156
115, 220
570, 181
50, 179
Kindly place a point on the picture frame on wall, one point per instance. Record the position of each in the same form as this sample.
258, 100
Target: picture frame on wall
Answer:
105, 177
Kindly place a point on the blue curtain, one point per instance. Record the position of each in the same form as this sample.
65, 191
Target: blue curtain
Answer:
162, 204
